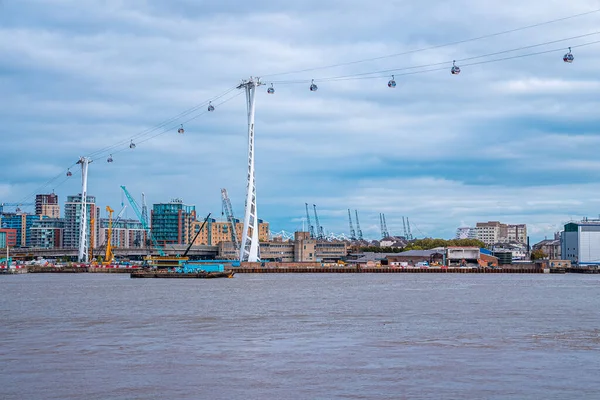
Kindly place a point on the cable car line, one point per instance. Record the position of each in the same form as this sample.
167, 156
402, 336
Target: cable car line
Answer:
388, 71
433, 47
170, 128
161, 125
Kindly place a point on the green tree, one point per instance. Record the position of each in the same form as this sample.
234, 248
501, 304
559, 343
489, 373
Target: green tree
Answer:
538, 254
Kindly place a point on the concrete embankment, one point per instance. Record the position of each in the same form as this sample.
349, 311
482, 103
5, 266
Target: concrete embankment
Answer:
384, 270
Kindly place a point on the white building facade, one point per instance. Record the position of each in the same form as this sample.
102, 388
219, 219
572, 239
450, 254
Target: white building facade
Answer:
580, 242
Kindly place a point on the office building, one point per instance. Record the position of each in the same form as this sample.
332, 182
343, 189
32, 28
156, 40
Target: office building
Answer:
21, 223
47, 205
10, 237
172, 222
47, 233
72, 221
215, 232
126, 233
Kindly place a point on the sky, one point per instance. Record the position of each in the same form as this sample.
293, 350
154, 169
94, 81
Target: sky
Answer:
515, 141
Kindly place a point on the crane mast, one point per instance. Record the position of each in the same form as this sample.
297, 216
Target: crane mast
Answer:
145, 209
229, 214
108, 254
311, 228
352, 231
358, 230
410, 236
320, 234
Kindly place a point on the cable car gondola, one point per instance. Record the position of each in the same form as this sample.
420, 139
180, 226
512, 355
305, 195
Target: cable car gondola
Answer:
271, 90
109, 159
392, 82
210, 106
180, 130
69, 173
568, 58
132, 145
313, 86
455, 69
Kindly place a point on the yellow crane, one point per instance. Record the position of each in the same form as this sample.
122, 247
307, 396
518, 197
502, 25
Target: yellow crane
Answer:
91, 249
109, 257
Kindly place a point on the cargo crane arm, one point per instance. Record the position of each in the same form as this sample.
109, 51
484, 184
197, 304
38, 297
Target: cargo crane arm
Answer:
196, 236
137, 211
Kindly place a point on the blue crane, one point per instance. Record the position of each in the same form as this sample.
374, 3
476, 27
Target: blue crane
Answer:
311, 228
140, 216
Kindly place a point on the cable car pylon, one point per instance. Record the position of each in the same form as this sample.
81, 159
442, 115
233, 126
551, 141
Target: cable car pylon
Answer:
249, 248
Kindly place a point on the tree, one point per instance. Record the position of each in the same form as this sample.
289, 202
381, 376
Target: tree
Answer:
538, 254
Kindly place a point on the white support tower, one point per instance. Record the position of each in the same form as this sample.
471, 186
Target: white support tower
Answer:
83, 237
249, 250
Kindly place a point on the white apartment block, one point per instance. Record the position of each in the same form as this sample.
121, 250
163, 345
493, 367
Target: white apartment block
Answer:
493, 232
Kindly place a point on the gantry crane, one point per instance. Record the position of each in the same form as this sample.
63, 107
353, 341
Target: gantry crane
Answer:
352, 231
320, 233
311, 228
358, 230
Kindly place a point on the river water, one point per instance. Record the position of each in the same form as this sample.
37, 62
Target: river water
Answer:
300, 336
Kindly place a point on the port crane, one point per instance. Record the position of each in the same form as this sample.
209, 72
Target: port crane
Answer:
311, 228
137, 211
358, 230
382, 223
320, 233
352, 231
229, 214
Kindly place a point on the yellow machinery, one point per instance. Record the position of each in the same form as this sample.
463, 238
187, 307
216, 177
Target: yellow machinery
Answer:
109, 257
91, 249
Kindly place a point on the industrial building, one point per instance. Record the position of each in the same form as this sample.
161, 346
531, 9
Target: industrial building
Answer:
47, 205
551, 247
72, 220
581, 242
301, 249
171, 223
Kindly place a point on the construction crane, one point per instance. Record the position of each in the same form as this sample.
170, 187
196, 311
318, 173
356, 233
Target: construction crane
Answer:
320, 234
145, 209
91, 248
109, 257
358, 230
410, 236
310, 227
17, 205
137, 211
229, 214
196, 236
352, 232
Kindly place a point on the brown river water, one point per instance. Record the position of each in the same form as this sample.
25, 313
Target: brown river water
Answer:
300, 336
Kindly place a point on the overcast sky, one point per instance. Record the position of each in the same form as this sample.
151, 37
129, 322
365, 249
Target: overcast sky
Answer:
515, 141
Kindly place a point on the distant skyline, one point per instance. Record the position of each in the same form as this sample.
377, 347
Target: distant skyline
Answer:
514, 141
